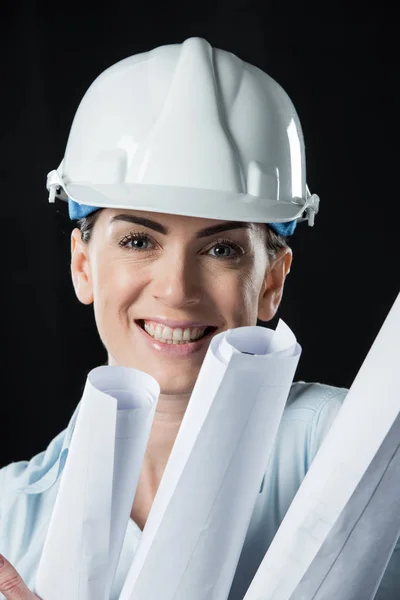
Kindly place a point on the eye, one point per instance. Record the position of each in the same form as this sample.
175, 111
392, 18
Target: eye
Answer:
135, 241
226, 249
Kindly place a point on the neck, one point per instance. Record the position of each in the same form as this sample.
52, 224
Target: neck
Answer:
170, 411
167, 421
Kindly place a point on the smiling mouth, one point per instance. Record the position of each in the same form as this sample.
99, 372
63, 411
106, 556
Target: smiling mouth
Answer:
207, 331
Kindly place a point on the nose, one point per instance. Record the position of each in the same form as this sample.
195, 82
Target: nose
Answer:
176, 282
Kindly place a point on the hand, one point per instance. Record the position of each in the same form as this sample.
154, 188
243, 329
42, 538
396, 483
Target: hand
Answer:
11, 584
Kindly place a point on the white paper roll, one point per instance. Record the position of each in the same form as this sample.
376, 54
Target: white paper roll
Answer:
365, 418
195, 531
98, 485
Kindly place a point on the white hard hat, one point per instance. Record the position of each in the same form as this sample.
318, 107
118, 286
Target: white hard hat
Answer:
190, 130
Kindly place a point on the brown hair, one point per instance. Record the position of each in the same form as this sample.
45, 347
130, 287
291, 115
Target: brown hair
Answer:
275, 242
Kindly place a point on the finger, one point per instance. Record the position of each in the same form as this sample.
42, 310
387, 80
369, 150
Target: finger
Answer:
11, 584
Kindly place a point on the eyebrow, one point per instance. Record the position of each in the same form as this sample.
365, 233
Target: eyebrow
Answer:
226, 226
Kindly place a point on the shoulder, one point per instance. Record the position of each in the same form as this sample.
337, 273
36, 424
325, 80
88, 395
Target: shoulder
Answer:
313, 396
11, 476
24, 510
40, 472
11, 473
23, 473
309, 413
21, 481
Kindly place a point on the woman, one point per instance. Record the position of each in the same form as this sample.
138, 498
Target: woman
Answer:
185, 172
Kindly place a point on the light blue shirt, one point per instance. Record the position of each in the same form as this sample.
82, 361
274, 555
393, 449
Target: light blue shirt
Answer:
28, 490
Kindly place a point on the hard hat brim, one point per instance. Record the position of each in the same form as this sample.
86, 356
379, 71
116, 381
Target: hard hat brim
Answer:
191, 202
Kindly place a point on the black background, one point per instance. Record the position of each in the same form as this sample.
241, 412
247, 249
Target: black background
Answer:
342, 75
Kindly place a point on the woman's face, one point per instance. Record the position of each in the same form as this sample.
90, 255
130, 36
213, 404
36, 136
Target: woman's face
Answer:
153, 277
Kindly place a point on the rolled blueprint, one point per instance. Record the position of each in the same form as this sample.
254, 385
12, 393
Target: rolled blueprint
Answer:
362, 424
94, 501
195, 531
352, 560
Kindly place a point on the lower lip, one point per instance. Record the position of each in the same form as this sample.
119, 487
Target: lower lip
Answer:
180, 350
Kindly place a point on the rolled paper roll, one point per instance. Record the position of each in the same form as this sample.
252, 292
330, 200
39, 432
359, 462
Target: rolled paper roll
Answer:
98, 485
196, 528
368, 412
352, 560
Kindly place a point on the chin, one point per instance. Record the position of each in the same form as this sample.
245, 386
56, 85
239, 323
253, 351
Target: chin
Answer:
171, 384
175, 387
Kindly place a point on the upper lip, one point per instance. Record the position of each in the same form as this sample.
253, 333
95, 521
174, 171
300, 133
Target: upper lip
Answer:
174, 324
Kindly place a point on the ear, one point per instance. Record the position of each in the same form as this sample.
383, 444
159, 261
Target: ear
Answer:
272, 289
80, 268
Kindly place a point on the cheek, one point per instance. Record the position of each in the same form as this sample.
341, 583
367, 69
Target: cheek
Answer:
250, 289
237, 295
117, 285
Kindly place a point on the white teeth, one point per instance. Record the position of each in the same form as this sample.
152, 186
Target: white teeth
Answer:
177, 334
173, 336
167, 333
